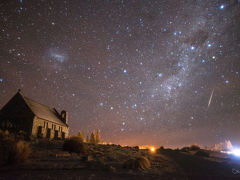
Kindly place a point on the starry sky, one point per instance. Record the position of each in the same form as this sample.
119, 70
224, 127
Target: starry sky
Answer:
159, 72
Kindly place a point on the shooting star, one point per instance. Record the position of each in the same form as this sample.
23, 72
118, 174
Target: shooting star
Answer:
210, 99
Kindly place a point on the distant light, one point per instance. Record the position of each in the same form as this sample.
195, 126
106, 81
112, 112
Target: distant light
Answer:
209, 45
125, 71
1, 79
152, 149
222, 6
227, 81
236, 152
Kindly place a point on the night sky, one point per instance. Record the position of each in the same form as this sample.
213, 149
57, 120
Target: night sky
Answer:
143, 71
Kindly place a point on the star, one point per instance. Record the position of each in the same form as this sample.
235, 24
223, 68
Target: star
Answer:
222, 6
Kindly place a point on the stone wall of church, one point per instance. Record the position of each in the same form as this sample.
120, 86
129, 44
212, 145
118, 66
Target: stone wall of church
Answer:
47, 129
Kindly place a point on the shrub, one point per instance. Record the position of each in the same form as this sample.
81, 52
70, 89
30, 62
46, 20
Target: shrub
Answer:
160, 150
161, 147
185, 149
81, 136
136, 148
21, 135
141, 163
19, 152
194, 148
74, 144
202, 153
4, 134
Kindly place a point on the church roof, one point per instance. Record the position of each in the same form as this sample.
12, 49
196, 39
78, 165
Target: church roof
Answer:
43, 111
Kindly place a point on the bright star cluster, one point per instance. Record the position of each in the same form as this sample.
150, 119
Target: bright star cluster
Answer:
141, 71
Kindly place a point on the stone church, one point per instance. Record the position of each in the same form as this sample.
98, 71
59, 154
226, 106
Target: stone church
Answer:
34, 118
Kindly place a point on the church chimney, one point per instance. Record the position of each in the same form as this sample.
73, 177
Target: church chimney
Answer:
64, 116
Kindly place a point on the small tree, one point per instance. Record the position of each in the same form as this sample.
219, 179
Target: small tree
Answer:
92, 138
97, 136
81, 136
87, 139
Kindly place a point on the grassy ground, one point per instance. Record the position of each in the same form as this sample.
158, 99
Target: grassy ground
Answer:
49, 161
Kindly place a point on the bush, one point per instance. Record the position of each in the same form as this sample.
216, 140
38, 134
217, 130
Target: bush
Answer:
194, 148
202, 153
161, 147
21, 135
19, 152
191, 148
141, 163
4, 134
136, 148
74, 144
185, 149
160, 150
81, 136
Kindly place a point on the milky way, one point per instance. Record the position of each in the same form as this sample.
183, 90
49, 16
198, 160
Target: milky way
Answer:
141, 71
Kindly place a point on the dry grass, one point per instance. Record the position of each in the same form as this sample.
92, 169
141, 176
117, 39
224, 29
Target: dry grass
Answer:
19, 152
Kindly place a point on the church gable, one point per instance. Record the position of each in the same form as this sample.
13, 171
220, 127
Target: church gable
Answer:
16, 115
24, 114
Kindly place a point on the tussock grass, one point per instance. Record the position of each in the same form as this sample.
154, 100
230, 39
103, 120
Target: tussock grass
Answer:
140, 163
19, 152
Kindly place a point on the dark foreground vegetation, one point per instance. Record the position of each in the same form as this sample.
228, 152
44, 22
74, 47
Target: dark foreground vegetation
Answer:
22, 158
